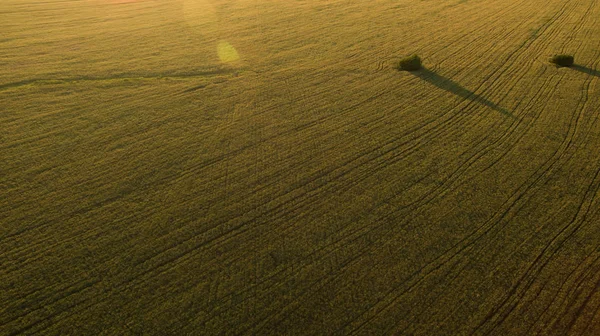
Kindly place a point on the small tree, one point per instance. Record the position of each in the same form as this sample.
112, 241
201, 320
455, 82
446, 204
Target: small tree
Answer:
562, 60
410, 63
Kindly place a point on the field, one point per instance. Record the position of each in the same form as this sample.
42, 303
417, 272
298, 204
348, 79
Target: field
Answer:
225, 167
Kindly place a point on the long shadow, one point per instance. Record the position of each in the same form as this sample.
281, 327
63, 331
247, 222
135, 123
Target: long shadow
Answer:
586, 70
457, 89
208, 72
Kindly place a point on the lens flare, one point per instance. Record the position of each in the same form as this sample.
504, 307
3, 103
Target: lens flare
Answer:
119, 2
227, 52
198, 13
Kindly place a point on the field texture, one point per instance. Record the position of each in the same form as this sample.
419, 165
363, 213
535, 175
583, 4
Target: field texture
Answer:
200, 167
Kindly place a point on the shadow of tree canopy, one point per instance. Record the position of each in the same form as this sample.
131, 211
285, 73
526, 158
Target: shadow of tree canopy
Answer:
457, 89
586, 70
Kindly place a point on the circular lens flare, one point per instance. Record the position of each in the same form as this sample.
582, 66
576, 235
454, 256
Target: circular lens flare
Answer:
227, 52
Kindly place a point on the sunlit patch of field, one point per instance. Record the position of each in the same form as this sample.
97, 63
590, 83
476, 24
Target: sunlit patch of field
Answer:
260, 167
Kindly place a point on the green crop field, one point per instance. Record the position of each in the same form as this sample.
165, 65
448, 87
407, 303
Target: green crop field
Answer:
261, 167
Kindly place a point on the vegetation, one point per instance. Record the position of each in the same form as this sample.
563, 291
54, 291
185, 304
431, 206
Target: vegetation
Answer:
218, 167
562, 60
410, 63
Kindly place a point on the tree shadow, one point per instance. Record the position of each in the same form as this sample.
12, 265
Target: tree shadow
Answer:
457, 89
586, 70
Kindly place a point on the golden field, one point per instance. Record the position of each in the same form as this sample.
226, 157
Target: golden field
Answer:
225, 167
